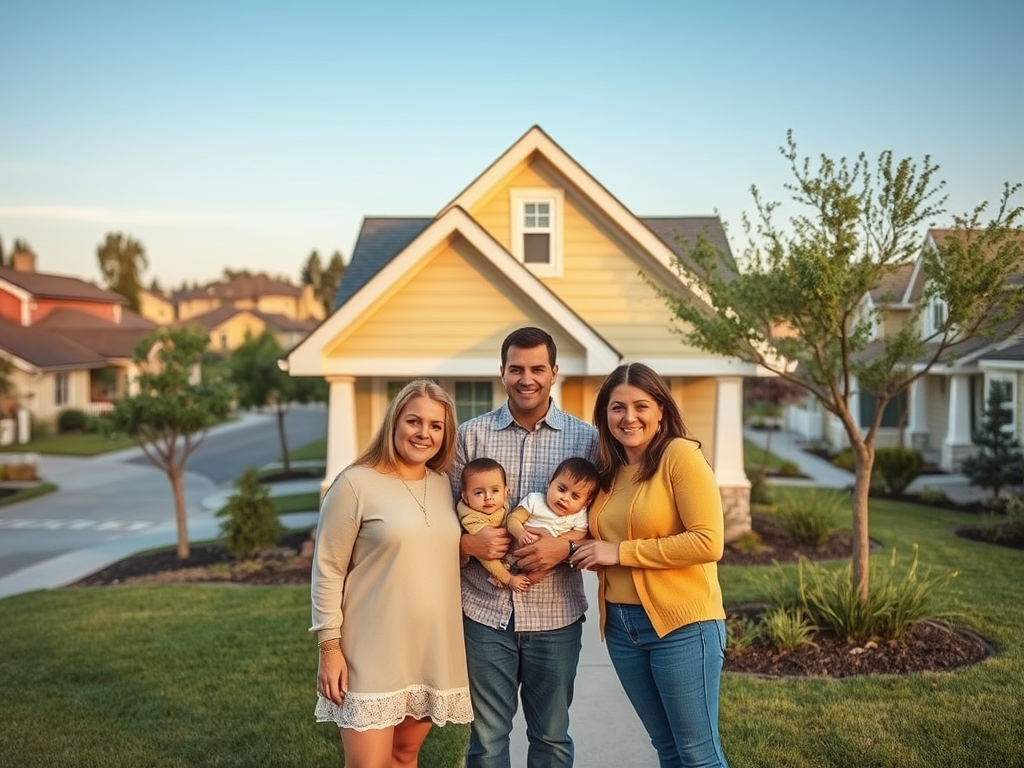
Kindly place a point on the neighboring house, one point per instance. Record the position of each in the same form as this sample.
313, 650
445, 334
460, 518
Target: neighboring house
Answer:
228, 326
156, 307
533, 240
942, 409
260, 292
71, 342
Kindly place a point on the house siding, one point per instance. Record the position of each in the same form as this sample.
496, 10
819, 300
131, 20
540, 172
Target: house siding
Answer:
40, 308
599, 276
484, 299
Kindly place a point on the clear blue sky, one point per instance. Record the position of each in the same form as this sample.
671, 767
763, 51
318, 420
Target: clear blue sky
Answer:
246, 134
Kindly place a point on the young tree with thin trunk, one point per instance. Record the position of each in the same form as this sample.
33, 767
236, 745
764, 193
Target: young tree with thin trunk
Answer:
170, 415
259, 382
796, 308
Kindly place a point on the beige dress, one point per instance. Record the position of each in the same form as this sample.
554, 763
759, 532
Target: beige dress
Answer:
386, 574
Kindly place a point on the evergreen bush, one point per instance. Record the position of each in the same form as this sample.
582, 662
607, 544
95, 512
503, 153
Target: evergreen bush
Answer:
999, 460
252, 522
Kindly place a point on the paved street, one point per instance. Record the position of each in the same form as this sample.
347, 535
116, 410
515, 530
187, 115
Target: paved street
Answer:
114, 496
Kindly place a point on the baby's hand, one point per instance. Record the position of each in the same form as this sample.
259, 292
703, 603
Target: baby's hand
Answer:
519, 583
527, 538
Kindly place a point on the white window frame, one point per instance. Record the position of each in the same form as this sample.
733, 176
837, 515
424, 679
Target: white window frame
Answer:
555, 198
937, 314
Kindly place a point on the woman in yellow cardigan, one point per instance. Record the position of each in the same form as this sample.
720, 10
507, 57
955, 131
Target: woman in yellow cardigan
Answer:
658, 533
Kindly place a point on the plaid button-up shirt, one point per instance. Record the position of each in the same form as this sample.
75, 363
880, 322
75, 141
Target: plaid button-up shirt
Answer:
529, 459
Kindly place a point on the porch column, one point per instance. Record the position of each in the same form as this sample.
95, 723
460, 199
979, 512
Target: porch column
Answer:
556, 392
341, 427
958, 431
917, 426
728, 456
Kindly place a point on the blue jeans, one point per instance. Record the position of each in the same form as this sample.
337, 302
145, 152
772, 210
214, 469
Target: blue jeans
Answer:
672, 682
543, 665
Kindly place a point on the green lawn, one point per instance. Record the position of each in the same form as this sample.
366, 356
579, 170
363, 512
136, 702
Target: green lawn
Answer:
28, 493
198, 675
71, 445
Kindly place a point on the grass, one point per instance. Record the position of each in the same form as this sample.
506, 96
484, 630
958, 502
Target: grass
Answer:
314, 450
756, 456
90, 444
201, 676
29, 492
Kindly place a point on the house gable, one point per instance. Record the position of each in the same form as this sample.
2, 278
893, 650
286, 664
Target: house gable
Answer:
409, 318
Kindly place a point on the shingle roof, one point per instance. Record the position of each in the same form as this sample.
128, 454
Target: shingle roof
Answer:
105, 338
59, 287
47, 349
893, 285
669, 229
381, 238
220, 315
240, 288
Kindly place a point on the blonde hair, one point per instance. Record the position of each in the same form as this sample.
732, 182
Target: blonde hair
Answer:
381, 450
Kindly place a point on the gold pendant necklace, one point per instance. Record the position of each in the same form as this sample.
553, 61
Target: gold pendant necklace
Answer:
421, 504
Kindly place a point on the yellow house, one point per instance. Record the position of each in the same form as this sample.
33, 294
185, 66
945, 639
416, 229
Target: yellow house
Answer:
534, 240
260, 292
228, 327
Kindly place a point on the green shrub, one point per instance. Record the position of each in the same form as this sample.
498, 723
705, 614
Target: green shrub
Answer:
748, 543
845, 460
897, 467
1006, 524
72, 420
252, 522
787, 629
760, 493
894, 603
789, 469
742, 632
934, 496
809, 517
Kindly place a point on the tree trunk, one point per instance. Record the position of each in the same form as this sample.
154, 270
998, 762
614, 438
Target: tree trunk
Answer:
285, 458
177, 478
865, 459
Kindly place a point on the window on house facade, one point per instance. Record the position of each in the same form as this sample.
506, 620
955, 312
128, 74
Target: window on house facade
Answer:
938, 314
895, 413
472, 398
537, 229
61, 388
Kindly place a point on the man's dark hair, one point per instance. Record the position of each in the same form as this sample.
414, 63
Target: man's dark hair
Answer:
483, 464
528, 338
582, 471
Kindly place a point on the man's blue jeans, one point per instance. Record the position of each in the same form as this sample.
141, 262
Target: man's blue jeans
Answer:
543, 664
672, 682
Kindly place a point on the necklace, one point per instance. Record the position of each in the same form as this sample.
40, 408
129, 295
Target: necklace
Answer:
421, 504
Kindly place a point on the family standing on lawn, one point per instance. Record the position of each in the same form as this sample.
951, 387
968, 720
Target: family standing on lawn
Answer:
390, 555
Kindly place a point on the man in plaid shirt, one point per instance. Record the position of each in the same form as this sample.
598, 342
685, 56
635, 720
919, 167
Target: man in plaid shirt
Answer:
522, 644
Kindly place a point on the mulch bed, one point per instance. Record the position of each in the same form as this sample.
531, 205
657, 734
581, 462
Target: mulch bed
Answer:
776, 546
284, 564
925, 647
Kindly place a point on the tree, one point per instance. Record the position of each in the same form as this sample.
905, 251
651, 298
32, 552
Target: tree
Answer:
171, 414
259, 382
330, 281
252, 522
8, 391
122, 261
999, 460
796, 308
325, 280
312, 270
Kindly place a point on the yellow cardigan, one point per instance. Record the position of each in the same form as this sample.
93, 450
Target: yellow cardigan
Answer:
675, 537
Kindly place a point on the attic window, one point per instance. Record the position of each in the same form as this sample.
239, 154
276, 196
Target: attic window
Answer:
537, 229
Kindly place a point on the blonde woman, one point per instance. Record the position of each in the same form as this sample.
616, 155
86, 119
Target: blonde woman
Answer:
385, 588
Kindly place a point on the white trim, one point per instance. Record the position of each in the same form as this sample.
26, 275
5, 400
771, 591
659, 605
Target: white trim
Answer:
307, 358
518, 198
1011, 379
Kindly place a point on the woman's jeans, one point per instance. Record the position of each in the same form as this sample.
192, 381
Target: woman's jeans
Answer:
672, 682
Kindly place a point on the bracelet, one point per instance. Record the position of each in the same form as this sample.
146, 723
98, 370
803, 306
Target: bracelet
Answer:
333, 645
